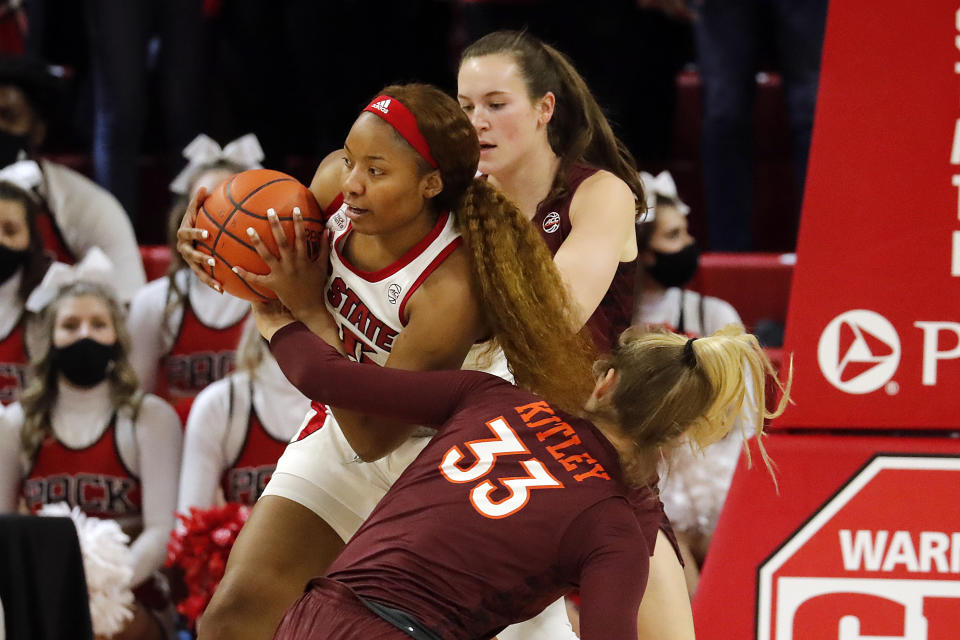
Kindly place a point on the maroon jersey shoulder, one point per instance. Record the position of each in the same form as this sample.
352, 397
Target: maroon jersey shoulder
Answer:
552, 219
615, 311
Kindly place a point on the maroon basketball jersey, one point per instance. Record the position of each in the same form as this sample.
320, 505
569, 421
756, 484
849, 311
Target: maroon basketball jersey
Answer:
511, 505
615, 311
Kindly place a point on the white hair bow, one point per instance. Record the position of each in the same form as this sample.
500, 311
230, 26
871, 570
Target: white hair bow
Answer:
95, 267
25, 174
204, 151
660, 186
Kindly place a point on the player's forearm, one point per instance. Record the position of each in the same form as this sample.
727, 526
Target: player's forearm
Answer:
406, 397
372, 437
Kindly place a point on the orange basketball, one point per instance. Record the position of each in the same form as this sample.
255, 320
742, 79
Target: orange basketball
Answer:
241, 202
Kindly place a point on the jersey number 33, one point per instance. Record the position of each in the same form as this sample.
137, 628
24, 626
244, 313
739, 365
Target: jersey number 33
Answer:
486, 452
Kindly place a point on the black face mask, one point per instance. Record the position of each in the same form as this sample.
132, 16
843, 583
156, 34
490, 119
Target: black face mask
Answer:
10, 261
10, 147
85, 363
675, 269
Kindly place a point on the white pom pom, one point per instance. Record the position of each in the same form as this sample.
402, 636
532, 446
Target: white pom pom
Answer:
108, 566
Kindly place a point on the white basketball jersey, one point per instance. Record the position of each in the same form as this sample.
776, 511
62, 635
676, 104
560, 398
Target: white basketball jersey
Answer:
369, 307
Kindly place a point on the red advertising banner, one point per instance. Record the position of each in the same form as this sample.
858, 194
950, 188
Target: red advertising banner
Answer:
874, 319
864, 547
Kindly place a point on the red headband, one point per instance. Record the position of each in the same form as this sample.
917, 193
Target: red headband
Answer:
401, 119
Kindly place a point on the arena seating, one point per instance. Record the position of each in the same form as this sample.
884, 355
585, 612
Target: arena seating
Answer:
756, 284
156, 259
776, 210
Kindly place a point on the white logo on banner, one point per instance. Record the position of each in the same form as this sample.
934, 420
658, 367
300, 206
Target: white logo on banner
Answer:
859, 351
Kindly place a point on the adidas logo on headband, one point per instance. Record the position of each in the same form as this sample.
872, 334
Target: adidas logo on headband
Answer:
383, 106
398, 116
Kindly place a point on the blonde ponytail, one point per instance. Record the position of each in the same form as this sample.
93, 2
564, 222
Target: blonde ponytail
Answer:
674, 390
737, 369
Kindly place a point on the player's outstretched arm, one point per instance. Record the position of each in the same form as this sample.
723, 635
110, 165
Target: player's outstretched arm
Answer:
613, 556
322, 374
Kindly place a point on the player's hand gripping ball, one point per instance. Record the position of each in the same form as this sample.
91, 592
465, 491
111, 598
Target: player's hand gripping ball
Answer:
240, 202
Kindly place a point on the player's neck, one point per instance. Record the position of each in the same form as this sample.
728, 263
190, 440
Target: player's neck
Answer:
612, 432
528, 183
637, 466
375, 252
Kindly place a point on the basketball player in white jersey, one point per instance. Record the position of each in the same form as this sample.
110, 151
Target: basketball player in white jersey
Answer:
411, 295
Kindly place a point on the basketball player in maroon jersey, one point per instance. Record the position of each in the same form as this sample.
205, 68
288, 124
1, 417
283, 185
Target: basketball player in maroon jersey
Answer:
479, 531
547, 145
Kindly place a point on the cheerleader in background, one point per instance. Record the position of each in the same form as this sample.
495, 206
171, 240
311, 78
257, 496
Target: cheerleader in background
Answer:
669, 259
238, 428
693, 486
23, 262
75, 213
83, 433
185, 335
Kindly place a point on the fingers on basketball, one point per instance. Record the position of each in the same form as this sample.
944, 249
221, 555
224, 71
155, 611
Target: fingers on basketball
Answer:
241, 203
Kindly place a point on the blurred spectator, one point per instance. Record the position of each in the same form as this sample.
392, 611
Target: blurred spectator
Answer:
125, 39
669, 259
23, 263
184, 334
730, 35
295, 74
13, 23
74, 214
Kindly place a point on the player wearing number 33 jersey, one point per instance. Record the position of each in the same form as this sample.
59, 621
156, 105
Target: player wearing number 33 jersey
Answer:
514, 503
510, 505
